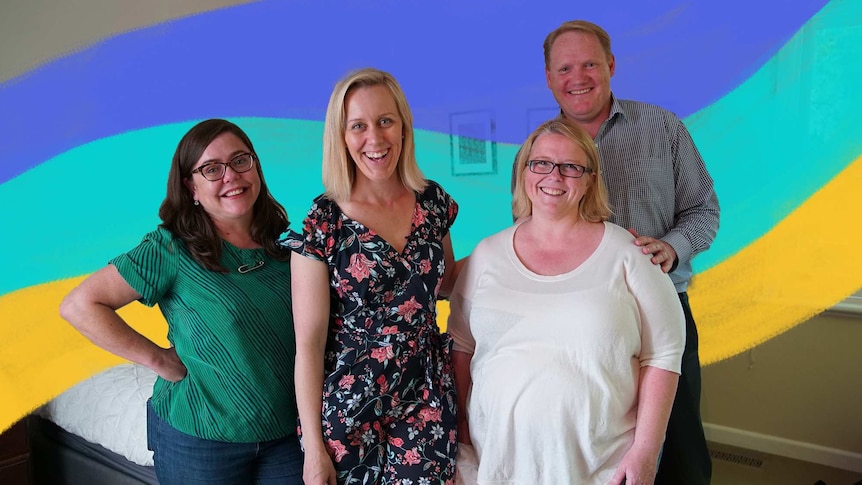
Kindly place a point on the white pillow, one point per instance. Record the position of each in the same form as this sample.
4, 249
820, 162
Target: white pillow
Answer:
110, 409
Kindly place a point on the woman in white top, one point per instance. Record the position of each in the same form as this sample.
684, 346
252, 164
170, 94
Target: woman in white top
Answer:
568, 340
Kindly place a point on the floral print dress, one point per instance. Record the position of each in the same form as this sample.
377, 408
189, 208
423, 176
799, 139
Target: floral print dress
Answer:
388, 392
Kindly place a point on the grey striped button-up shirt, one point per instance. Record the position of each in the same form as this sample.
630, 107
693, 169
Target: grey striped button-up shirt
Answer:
657, 181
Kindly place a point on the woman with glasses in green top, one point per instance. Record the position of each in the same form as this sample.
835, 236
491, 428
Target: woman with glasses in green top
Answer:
223, 409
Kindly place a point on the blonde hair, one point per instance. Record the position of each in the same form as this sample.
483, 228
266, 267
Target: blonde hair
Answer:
339, 168
594, 206
577, 26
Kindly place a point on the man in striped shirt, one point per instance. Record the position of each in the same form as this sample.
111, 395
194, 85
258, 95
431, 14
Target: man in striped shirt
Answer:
659, 189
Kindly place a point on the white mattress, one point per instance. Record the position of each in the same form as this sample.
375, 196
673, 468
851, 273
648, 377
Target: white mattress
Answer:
110, 409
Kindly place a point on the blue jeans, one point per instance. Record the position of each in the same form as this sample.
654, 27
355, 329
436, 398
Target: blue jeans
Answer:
183, 459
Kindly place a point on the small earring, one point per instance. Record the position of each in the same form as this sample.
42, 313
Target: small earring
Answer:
197, 202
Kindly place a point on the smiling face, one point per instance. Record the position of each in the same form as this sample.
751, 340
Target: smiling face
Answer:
230, 199
373, 132
579, 75
553, 194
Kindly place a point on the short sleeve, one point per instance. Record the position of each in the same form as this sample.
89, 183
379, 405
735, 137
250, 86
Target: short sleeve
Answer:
461, 300
151, 267
458, 324
444, 206
316, 240
662, 320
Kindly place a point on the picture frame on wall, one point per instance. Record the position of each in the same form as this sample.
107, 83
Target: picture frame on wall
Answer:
472, 146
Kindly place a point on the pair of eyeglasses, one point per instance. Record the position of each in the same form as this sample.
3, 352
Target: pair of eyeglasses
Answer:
215, 170
571, 170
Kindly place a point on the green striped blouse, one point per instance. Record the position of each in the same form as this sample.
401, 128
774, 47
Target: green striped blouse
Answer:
234, 333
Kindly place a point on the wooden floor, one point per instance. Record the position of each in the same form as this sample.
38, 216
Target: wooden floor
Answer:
735, 466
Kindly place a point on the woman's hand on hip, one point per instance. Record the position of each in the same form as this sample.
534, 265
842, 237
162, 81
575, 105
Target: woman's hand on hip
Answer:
169, 366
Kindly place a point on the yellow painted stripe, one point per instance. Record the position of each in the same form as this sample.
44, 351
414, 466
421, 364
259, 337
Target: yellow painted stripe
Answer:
807, 263
42, 355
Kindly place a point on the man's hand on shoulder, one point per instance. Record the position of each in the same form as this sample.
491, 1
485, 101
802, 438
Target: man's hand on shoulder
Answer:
663, 253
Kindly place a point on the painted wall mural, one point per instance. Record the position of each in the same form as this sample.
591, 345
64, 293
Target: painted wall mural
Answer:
769, 92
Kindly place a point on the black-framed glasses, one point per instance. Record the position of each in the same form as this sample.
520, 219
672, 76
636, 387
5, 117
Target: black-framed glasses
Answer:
215, 170
571, 170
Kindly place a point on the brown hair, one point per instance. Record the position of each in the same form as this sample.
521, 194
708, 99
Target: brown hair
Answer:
577, 26
193, 225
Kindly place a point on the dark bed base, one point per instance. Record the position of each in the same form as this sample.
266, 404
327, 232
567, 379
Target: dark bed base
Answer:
61, 458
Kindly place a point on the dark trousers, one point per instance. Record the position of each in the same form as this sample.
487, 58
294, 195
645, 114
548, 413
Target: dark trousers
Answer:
685, 457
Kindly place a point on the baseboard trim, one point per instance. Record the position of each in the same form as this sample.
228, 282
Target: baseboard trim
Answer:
776, 445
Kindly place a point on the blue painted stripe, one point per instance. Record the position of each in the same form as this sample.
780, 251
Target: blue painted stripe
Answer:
280, 59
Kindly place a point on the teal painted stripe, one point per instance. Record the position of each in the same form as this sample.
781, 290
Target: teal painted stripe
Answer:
786, 132
91, 203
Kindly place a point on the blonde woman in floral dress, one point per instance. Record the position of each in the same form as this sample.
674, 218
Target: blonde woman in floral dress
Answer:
372, 258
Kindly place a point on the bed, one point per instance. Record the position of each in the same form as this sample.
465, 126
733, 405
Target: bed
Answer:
95, 432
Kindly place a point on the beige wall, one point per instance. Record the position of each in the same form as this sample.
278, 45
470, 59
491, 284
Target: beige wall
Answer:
33, 32
804, 385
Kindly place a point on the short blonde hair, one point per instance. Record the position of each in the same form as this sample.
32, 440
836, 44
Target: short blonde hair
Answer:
594, 206
577, 26
339, 168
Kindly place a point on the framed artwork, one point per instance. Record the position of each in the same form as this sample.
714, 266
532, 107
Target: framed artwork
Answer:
472, 145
